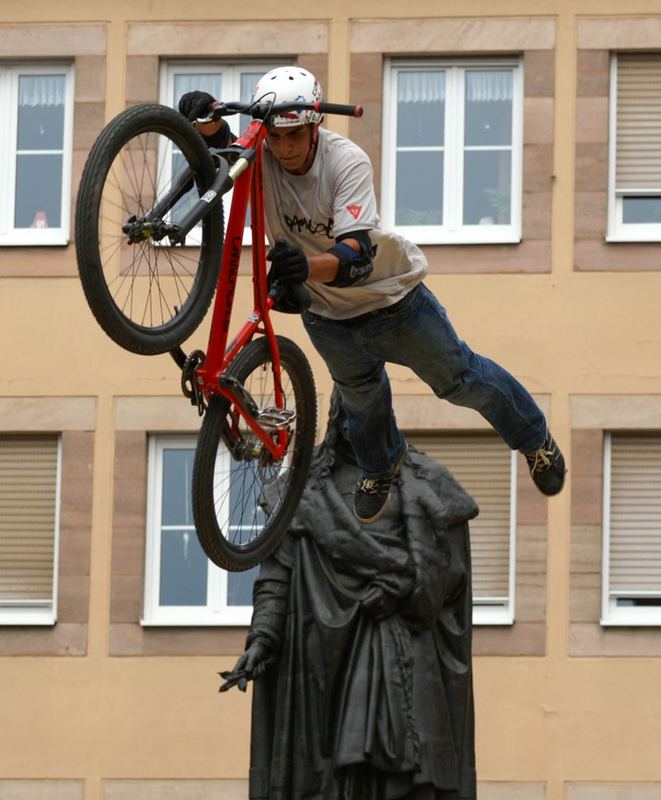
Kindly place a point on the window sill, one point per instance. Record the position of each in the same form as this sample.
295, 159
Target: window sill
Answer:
492, 615
28, 616
238, 618
631, 238
17, 240
632, 621
423, 238
614, 615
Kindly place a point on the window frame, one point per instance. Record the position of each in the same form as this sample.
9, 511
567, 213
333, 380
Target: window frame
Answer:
33, 237
453, 232
40, 612
217, 612
613, 615
617, 230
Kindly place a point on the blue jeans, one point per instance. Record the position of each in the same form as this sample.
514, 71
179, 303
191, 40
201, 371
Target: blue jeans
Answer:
416, 333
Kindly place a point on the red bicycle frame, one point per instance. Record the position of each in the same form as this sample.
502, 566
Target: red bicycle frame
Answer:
208, 377
211, 377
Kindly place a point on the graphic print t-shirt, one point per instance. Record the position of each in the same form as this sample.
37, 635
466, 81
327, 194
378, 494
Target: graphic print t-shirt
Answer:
337, 196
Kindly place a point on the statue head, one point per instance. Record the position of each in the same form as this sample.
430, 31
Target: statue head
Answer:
335, 449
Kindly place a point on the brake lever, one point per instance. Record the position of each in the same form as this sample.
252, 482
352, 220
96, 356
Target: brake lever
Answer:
222, 110
218, 111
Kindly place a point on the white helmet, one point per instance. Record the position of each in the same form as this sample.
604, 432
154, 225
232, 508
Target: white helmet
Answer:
287, 85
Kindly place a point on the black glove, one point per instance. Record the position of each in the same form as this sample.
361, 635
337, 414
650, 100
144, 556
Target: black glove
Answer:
292, 298
288, 264
196, 105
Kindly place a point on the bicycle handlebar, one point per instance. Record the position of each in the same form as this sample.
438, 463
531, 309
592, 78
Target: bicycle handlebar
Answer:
228, 172
264, 110
343, 109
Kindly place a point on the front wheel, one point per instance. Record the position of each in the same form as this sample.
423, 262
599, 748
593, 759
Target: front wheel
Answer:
243, 503
145, 170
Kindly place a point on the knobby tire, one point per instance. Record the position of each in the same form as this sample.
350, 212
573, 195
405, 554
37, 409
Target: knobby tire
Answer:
217, 542
189, 279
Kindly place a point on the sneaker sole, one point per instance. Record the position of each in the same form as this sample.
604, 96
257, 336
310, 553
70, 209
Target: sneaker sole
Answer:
378, 515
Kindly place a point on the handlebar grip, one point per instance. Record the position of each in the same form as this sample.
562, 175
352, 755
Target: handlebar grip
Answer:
343, 109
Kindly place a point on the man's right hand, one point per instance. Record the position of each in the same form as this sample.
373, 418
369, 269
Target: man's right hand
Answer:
196, 105
288, 264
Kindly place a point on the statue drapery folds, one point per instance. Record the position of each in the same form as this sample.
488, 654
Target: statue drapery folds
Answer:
361, 641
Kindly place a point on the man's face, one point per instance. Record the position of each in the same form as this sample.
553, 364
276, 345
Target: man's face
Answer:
292, 147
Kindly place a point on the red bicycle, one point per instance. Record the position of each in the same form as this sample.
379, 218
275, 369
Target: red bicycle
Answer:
149, 243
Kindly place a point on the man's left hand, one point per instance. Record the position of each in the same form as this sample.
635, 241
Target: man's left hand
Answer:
288, 264
194, 105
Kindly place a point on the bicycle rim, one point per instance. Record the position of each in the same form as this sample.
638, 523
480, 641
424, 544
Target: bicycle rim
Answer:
147, 293
244, 502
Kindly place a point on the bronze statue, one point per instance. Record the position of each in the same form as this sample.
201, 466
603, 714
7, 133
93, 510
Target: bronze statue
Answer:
361, 641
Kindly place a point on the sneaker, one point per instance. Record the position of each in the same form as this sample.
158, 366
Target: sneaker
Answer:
547, 467
371, 495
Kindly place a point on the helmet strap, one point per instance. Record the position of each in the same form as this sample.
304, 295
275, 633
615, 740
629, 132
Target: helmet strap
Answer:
309, 158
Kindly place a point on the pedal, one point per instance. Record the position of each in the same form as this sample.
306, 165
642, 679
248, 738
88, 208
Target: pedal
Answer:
276, 418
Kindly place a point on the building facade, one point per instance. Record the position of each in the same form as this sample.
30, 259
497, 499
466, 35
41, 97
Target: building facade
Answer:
519, 147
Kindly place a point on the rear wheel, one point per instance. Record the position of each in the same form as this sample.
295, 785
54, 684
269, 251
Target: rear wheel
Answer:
146, 293
243, 503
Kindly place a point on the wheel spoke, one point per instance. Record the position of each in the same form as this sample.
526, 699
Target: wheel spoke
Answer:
146, 295
152, 282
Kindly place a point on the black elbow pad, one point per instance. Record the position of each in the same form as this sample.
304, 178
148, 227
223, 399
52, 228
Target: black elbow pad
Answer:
354, 267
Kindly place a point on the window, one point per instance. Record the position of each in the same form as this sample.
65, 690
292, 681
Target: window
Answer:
182, 587
29, 529
631, 583
486, 468
634, 212
36, 108
222, 81
452, 151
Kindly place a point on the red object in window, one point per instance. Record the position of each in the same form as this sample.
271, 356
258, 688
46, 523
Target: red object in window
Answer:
40, 220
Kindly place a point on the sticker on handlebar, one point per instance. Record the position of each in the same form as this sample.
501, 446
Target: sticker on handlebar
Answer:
209, 196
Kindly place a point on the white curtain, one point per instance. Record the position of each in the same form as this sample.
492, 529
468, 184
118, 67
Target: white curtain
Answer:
211, 83
429, 87
489, 86
41, 90
421, 87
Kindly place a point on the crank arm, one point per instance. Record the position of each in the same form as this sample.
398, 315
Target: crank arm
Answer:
240, 394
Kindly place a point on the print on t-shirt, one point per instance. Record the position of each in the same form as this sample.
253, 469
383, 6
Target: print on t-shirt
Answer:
298, 224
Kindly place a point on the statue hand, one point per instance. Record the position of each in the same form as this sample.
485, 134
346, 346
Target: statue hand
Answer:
424, 606
379, 603
249, 666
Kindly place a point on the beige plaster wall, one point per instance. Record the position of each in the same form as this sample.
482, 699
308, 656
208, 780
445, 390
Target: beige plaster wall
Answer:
575, 323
